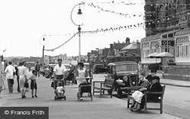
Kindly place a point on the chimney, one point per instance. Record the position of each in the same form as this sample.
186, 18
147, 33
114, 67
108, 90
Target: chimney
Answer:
127, 40
111, 46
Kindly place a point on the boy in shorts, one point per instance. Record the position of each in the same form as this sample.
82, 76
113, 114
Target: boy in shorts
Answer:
33, 84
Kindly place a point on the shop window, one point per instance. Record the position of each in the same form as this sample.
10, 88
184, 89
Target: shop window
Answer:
187, 50
164, 36
177, 51
180, 51
184, 51
170, 35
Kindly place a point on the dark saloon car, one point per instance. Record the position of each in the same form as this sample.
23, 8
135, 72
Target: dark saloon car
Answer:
99, 68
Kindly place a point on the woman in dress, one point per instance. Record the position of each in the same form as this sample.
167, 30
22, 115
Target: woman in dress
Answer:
23, 78
81, 78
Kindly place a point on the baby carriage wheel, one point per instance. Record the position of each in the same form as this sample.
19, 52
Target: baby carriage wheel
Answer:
78, 96
64, 97
91, 97
55, 98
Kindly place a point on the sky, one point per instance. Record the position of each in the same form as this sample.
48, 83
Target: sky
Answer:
24, 23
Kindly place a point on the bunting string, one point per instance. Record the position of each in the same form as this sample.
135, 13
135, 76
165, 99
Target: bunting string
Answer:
62, 43
117, 3
99, 30
114, 12
112, 29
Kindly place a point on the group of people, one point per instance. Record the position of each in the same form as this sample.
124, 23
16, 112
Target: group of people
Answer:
81, 73
150, 83
25, 75
22, 75
147, 82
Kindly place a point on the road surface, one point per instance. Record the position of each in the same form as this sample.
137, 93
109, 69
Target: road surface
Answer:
99, 108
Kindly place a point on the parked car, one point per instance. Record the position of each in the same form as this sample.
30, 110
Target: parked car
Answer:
99, 68
117, 70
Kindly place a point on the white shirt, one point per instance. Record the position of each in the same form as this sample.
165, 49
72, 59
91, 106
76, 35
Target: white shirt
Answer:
9, 72
28, 74
81, 76
81, 73
22, 70
59, 70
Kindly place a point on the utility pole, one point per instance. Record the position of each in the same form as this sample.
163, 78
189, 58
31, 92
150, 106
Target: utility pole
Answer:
79, 32
79, 12
43, 49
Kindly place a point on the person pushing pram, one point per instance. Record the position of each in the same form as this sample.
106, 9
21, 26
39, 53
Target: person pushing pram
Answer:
58, 81
82, 81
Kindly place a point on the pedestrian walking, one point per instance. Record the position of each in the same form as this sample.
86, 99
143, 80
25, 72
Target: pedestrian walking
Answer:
37, 68
59, 70
2, 77
17, 78
33, 83
23, 78
10, 70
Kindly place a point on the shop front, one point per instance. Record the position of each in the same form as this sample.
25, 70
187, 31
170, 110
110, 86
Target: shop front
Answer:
182, 49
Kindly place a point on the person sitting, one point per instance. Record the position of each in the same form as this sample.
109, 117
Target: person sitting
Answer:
154, 87
144, 82
138, 95
81, 78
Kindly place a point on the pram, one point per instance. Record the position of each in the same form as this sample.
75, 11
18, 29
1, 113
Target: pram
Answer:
85, 88
58, 85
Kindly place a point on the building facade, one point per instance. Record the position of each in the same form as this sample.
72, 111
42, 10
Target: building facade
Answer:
164, 42
182, 47
166, 15
167, 25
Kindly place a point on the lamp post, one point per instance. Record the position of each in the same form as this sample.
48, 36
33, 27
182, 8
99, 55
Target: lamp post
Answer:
78, 24
43, 49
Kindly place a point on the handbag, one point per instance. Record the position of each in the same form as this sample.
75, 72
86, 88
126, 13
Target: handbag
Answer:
26, 85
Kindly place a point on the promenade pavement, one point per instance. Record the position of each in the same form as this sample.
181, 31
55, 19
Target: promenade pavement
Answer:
179, 83
99, 108
175, 82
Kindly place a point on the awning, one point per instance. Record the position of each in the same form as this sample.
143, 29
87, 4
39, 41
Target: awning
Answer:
151, 61
153, 55
165, 55
130, 46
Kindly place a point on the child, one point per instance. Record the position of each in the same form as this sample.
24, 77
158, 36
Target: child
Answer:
33, 84
60, 90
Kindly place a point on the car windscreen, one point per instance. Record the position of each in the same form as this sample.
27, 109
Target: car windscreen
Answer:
126, 67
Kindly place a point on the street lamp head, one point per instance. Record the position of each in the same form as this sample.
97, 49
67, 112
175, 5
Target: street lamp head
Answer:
79, 11
43, 41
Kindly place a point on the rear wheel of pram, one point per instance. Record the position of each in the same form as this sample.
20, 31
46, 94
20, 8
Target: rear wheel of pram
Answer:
78, 96
55, 98
64, 97
91, 96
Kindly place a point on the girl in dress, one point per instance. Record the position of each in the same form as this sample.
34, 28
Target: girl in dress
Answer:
81, 77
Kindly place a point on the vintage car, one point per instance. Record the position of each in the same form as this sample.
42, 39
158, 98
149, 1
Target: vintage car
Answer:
117, 70
99, 68
122, 68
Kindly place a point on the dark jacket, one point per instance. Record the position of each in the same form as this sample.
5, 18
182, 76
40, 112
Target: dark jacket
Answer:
154, 88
